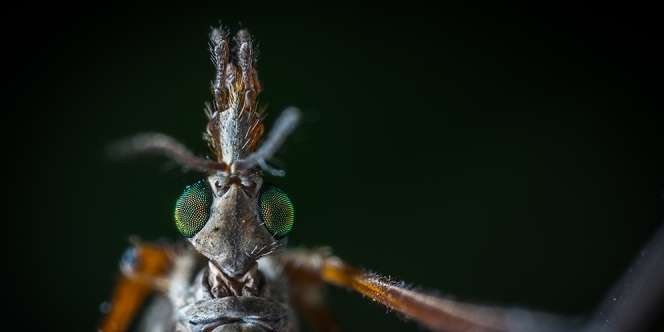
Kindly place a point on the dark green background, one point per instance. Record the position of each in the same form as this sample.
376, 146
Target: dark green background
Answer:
500, 155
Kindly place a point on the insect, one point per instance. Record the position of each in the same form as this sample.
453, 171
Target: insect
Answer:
233, 273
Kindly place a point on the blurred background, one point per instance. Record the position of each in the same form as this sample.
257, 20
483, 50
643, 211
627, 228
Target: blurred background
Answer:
499, 155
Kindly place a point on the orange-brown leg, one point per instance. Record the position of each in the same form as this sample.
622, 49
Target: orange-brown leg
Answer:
307, 295
144, 266
433, 312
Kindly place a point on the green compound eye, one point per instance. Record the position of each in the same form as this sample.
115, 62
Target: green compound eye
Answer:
192, 208
277, 211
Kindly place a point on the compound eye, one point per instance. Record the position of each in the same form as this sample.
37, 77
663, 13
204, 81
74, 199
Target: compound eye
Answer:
192, 208
276, 210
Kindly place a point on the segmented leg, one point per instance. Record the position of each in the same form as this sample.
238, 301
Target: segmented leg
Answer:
635, 302
307, 295
433, 312
144, 267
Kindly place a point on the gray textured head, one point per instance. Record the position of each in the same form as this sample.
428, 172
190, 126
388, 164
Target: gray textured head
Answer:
234, 235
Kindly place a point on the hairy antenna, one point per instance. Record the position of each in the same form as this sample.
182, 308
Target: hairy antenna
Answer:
155, 143
284, 125
219, 53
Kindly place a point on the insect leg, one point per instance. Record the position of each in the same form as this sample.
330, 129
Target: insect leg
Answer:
634, 302
160, 315
436, 313
142, 265
307, 294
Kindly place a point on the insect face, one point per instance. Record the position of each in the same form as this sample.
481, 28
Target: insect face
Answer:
234, 219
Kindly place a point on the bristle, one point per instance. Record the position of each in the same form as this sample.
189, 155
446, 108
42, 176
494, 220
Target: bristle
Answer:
234, 127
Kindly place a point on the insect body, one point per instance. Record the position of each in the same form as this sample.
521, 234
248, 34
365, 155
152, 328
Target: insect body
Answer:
230, 277
230, 216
